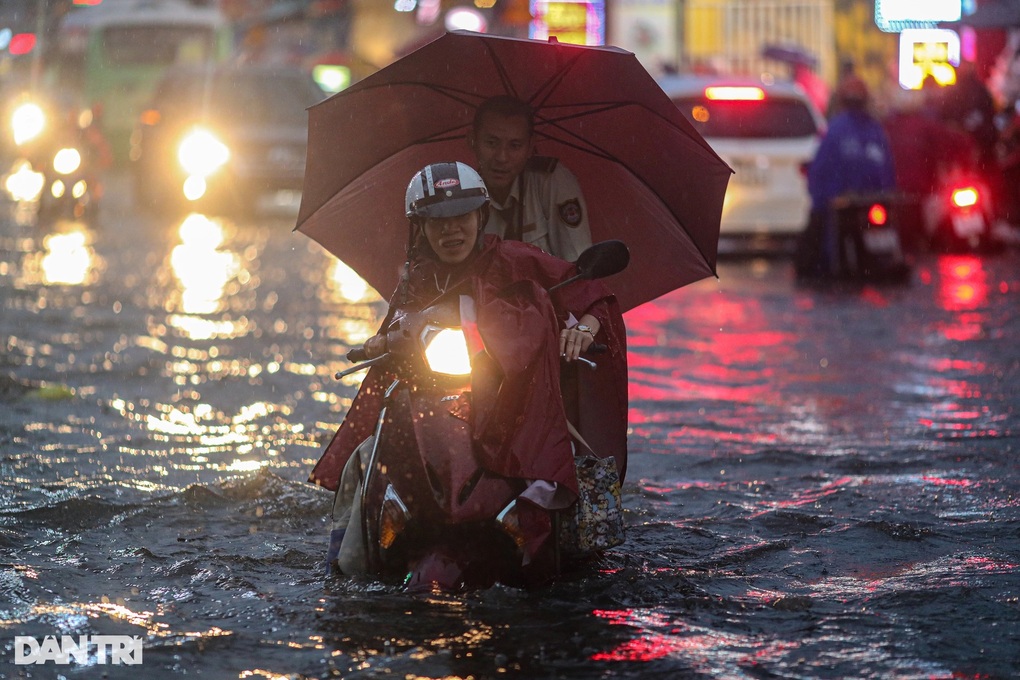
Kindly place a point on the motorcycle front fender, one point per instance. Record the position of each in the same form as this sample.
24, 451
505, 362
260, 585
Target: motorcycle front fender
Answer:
462, 490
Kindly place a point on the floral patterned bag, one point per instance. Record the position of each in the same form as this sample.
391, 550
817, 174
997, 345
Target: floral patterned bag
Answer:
595, 522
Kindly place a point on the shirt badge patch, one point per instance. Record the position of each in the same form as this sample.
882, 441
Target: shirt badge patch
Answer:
571, 213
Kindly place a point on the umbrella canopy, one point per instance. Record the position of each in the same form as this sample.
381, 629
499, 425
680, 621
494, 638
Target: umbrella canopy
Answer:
649, 178
792, 54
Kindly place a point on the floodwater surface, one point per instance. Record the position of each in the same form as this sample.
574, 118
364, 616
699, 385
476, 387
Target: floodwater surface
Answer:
823, 483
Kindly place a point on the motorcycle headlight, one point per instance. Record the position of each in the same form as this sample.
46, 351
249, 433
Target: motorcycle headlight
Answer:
201, 153
67, 160
27, 122
446, 350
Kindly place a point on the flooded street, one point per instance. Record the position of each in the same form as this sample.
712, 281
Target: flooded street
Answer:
822, 483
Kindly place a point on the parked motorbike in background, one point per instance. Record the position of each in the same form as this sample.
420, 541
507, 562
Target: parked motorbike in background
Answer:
413, 502
857, 239
958, 216
53, 158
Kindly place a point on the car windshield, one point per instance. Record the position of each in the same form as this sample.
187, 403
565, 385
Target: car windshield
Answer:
771, 118
250, 98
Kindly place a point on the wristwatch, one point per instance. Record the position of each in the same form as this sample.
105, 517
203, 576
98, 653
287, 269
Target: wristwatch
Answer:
584, 328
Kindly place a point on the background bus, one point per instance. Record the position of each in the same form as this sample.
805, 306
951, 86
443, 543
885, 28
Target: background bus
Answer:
111, 55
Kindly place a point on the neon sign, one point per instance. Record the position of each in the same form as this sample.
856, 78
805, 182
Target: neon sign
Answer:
578, 22
894, 16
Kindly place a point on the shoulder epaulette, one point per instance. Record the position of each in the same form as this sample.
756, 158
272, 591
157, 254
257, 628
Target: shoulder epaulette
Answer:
542, 163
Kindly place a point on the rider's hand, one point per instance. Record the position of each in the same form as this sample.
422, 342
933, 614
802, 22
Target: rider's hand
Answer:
574, 342
375, 346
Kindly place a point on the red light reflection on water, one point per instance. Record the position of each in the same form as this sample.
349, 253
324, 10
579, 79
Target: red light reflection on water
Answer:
964, 283
812, 496
647, 648
703, 649
942, 481
989, 564
732, 336
650, 645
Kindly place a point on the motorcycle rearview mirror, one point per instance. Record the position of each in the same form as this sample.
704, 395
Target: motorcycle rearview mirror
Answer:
599, 261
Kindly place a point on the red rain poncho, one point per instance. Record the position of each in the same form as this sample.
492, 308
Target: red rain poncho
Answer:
518, 426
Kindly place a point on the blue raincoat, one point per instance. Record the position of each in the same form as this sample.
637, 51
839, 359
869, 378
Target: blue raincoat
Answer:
854, 157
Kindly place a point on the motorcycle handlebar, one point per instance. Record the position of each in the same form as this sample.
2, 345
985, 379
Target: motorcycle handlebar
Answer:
357, 355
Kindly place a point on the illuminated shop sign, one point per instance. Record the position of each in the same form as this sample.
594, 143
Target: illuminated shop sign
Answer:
570, 21
928, 52
894, 16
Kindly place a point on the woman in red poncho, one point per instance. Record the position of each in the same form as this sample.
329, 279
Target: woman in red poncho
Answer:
518, 423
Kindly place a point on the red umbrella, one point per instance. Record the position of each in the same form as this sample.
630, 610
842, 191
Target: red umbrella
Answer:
649, 178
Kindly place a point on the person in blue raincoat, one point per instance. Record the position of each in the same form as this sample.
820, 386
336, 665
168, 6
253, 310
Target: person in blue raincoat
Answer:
854, 157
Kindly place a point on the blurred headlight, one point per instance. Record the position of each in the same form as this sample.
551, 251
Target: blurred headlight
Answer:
27, 122
201, 153
194, 187
67, 160
24, 183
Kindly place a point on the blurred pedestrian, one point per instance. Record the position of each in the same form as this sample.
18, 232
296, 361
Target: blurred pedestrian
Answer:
847, 71
854, 157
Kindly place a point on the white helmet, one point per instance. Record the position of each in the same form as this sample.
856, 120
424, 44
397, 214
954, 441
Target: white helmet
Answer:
444, 190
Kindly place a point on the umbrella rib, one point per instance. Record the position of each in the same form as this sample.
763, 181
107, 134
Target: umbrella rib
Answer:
465, 97
501, 70
547, 89
597, 151
608, 106
543, 92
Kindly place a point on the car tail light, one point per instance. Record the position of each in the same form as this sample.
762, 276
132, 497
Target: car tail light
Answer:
21, 43
734, 93
877, 215
965, 197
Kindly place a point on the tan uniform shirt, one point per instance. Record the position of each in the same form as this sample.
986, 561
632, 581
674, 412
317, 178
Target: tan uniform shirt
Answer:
555, 215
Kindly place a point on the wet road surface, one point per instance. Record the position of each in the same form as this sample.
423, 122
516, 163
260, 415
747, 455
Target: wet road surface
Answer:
823, 483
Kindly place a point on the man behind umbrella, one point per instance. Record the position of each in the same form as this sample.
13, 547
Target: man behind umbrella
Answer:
535, 199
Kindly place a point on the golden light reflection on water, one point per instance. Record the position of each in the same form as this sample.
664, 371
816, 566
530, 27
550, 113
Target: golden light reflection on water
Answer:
246, 465
68, 258
204, 271
115, 610
354, 317
244, 442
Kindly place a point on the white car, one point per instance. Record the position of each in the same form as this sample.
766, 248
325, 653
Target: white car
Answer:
768, 133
